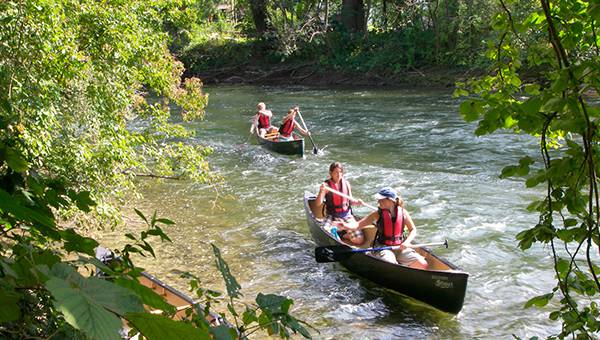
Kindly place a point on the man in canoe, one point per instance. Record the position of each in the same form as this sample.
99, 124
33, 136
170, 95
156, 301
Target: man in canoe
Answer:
390, 220
338, 207
289, 124
262, 121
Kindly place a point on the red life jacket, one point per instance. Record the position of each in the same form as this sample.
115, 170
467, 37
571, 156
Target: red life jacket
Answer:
286, 128
264, 122
337, 204
389, 230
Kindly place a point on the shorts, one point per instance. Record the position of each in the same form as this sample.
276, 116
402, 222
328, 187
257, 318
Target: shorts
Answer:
286, 139
404, 257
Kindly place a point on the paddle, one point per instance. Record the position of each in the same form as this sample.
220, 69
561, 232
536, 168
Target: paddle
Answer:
341, 252
348, 197
315, 149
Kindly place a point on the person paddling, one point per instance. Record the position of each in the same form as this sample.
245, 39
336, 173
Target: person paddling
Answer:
338, 207
288, 125
262, 121
390, 219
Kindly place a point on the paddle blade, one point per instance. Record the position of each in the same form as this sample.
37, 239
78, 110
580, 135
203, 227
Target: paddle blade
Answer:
315, 150
332, 253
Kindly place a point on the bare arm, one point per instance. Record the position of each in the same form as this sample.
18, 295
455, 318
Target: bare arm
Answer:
322, 193
353, 225
410, 226
302, 131
254, 123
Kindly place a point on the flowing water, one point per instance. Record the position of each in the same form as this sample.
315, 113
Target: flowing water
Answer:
414, 141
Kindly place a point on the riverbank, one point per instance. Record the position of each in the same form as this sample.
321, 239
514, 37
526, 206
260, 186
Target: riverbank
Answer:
311, 75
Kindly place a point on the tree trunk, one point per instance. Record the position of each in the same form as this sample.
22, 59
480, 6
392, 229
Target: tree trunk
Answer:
259, 15
451, 23
353, 15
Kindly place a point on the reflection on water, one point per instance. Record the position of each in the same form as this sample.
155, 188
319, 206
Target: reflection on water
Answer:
411, 140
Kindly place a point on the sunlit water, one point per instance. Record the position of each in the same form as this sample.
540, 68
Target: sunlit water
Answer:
414, 141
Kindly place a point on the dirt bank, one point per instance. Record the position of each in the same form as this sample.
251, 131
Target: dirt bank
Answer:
311, 75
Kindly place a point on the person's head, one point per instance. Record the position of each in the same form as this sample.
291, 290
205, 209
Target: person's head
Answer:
336, 171
291, 113
388, 197
261, 106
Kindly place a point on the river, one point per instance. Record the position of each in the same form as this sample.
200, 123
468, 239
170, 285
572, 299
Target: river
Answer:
412, 140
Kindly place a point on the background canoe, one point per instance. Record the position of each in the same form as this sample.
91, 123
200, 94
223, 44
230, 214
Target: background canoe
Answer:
295, 147
442, 286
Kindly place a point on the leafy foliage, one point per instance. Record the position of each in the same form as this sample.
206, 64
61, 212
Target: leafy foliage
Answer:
544, 82
270, 313
77, 126
399, 36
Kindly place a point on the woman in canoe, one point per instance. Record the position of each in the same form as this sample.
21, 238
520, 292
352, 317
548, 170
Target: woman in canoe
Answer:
262, 121
390, 220
289, 124
338, 207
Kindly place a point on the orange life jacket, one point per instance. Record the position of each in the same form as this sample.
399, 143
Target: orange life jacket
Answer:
264, 122
286, 128
389, 230
337, 204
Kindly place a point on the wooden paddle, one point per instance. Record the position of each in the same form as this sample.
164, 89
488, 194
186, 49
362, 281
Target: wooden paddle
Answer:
315, 149
341, 252
348, 197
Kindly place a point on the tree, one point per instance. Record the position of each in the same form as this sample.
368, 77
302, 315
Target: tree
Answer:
543, 83
353, 15
76, 129
261, 20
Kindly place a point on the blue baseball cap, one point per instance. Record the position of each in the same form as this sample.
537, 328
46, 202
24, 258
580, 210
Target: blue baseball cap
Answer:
388, 193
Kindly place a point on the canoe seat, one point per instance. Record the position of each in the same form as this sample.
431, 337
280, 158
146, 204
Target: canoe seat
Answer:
272, 135
317, 209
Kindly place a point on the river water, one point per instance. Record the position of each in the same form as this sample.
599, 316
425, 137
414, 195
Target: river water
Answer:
412, 140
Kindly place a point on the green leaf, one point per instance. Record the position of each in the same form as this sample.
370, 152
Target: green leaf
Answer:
13, 206
233, 287
532, 89
160, 327
569, 222
554, 315
77, 243
223, 332
297, 327
5, 105
566, 234
249, 316
148, 296
555, 104
10, 310
471, 109
508, 171
273, 304
165, 221
139, 213
90, 304
232, 310
459, 92
16, 160
84, 201
562, 267
515, 80
539, 301
81, 311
